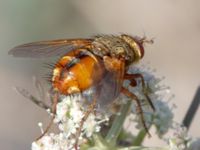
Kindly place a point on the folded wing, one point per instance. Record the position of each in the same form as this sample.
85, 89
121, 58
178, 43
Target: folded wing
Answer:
48, 48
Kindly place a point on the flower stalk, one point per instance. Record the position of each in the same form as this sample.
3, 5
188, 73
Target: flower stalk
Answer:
118, 123
138, 140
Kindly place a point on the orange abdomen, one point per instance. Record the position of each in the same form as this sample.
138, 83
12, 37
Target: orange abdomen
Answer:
76, 72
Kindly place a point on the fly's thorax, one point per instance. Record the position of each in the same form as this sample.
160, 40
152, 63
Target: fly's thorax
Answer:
113, 46
123, 46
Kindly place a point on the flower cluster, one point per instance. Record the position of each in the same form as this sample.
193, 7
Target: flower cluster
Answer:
71, 110
162, 117
69, 114
180, 140
53, 142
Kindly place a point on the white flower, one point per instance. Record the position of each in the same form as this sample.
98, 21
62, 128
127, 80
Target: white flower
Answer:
90, 125
180, 139
52, 142
69, 114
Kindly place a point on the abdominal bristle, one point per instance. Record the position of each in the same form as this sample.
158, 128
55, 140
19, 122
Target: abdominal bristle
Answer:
48, 77
49, 65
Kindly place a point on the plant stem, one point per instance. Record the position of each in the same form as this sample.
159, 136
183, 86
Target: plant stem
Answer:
139, 138
144, 148
118, 123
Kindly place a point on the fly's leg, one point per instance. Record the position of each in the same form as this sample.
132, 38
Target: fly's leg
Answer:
90, 109
55, 101
133, 83
139, 107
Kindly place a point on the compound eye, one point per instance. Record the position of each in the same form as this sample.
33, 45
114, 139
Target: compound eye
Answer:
141, 43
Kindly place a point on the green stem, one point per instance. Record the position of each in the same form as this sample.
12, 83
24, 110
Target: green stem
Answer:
144, 148
139, 138
118, 123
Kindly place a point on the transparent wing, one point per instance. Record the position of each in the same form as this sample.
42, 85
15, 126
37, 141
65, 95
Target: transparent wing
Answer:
109, 87
48, 48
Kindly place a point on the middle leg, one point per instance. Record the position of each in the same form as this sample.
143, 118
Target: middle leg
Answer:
139, 107
133, 83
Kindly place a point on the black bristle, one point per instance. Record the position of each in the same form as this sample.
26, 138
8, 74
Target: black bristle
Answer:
47, 76
49, 80
49, 65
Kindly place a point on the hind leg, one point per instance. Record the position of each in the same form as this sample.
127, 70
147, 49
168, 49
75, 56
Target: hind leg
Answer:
90, 109
55, 101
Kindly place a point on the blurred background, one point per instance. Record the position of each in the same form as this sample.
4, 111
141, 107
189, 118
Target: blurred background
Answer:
175, 25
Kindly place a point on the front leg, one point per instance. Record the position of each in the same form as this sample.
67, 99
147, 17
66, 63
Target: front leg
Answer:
132, 78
